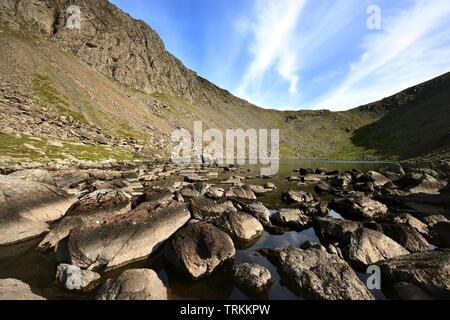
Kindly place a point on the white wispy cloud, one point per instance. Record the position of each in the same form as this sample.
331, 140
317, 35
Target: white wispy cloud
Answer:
272, 33
412, 47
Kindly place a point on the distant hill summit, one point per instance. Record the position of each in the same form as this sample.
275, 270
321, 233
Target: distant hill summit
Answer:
111, 90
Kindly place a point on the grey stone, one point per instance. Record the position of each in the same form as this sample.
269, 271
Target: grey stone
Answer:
134, 284
73, 278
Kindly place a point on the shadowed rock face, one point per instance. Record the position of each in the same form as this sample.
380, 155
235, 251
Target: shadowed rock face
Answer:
26, 208
134, 284
122, 239
429, 271
316, 274
199, 248
332, 230
73, 278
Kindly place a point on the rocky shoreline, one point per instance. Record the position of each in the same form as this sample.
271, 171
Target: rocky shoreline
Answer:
101, 217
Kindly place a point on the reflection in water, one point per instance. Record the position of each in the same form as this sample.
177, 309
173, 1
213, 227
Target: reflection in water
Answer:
25, 263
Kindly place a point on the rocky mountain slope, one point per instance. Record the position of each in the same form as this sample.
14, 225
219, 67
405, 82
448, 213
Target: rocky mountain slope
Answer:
111, 90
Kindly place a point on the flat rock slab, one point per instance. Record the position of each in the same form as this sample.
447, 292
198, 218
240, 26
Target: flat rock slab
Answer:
429, 271
316, 274
125, 238
26, 207
134, 284
406, 236
73, 278
199, 248
258, 210
13, 289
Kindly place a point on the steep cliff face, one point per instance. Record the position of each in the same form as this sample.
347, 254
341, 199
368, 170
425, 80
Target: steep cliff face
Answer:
115, 44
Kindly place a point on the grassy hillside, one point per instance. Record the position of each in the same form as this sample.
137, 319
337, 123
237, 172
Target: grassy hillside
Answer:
55, 86
66, 86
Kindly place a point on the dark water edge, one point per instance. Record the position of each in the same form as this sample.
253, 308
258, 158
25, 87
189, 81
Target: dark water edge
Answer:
25, 263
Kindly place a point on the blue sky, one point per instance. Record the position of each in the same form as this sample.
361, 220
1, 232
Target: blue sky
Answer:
304, 54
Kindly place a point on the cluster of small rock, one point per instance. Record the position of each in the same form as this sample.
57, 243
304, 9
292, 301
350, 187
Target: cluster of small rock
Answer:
22, 117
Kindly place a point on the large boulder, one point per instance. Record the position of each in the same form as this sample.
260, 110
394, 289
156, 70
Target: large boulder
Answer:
442, 232
26, 207
240, 226
376, 178
406, 236
360, 208
108, 175
331, 230
407, 291
291, 218
156, 197
199, 248
393, 168
13, 289
251, 278
134, 284
316, 274
121, 239
93, 207
407, 219
73, 278
368, 247
207, 209
215, 192
429, 271
34, 175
